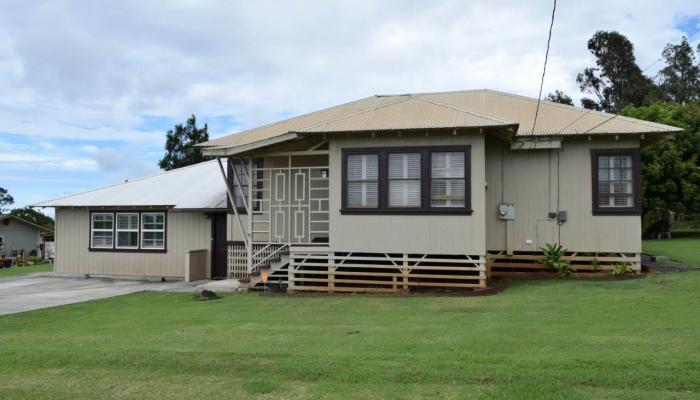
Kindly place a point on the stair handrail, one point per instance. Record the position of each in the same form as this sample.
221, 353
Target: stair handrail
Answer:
272, 254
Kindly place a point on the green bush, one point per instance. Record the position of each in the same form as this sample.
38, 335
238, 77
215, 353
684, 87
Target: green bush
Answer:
553, 258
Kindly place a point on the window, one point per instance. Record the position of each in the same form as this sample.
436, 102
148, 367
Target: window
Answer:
447, 179
102, 231
404, 180
127, 231
153, 230
363, 181
407, 180
616, 181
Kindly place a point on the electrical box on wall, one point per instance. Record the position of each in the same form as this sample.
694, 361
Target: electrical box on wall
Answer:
506, 211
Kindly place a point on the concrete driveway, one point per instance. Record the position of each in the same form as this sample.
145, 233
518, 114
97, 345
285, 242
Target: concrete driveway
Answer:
31, 292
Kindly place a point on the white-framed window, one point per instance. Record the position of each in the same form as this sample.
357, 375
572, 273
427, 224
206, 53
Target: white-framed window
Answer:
127, 229
362, 181
447, 183
102, 231
404, 179
153, 231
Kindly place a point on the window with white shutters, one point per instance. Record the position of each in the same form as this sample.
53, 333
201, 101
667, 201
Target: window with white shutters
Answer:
447, 179
616, 181
407, 180
404, 180
362, 189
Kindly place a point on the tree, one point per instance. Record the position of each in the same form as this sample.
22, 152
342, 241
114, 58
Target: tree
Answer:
180, 150
616, 81
32, 215
559, 97
5, 199
679, 80
671, 168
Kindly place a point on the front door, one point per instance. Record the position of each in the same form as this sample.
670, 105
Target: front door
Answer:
219, 253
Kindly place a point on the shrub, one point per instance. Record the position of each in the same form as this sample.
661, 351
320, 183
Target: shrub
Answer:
553, 258
595, 265
621, 269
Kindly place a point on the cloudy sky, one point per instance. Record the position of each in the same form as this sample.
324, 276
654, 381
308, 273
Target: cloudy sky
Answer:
88, 89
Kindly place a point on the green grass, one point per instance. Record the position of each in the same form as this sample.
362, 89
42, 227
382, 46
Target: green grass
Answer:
16, 271
684, 247
636, 339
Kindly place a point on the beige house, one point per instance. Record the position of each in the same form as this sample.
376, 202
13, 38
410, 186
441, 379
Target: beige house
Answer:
386, 194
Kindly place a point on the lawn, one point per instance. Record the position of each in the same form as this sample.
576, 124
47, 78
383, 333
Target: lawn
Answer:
15, 271
684, 247
635, 339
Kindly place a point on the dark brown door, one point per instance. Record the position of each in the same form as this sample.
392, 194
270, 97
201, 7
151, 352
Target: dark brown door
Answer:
219, 248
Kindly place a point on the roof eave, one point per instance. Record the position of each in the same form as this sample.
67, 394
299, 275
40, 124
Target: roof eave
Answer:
225, 151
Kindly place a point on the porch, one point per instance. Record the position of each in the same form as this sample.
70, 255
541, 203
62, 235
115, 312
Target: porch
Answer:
276, 200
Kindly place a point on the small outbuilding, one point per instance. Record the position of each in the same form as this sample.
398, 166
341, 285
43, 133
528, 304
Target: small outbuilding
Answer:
22, 238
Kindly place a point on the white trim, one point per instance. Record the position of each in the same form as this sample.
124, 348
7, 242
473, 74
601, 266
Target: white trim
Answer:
144, 230
117, 230
93, 230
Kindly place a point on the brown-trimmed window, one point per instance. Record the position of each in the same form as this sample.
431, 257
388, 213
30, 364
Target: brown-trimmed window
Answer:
406, 180
128, 231
616, 181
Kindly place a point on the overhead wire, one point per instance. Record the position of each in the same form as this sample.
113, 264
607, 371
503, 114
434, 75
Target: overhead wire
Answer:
544, 68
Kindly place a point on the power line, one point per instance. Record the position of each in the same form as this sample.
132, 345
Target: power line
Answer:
544, 69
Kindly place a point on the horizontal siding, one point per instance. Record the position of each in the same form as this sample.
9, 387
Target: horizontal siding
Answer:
186, 231
524, 178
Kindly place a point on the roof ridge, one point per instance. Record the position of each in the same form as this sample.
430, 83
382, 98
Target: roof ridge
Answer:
126, 182
467, 111
401, 99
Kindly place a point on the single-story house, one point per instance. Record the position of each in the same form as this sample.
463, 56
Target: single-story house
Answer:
21, 237
387, 193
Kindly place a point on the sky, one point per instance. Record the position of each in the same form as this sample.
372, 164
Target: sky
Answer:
88, 89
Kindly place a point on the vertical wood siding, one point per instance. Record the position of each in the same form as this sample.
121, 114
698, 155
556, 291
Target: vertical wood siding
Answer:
434, 234
524, 177
186, 231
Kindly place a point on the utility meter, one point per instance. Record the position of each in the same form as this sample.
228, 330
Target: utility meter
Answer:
506, 211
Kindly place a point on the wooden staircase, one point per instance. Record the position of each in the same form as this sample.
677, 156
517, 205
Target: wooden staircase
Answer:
276, 269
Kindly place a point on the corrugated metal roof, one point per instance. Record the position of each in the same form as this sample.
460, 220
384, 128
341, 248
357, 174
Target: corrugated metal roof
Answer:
408, 113
552, 119
198, 186
461, 109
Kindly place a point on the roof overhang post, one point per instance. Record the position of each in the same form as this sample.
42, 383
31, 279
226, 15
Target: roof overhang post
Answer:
232, 198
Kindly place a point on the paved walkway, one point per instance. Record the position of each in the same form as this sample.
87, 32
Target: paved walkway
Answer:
31, 292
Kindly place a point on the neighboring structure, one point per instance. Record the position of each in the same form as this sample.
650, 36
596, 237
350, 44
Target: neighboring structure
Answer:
21, 237
386, 193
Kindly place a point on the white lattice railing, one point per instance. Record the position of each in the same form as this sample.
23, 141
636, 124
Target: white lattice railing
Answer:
263, 254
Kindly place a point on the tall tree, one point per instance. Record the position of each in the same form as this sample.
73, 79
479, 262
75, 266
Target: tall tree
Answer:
679, 80
32, 215
559, 97
616, 81
671, 168
180, 150
5, 199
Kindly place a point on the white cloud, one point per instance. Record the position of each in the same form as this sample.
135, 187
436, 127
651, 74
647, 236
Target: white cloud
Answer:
93, 71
